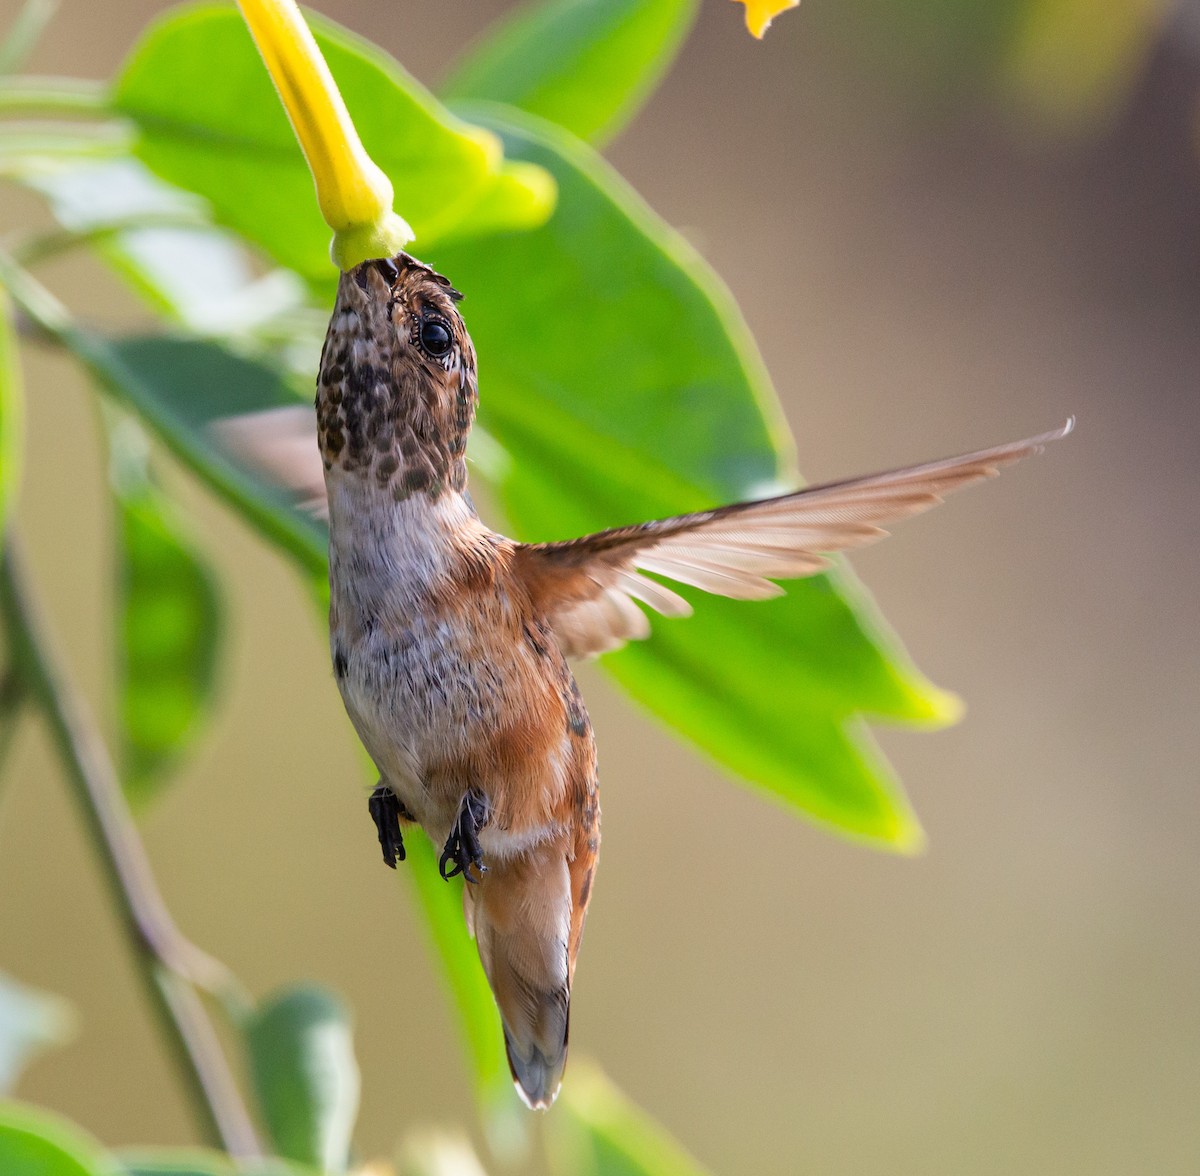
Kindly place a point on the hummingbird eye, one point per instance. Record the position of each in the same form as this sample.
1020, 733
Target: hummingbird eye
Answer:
435, 337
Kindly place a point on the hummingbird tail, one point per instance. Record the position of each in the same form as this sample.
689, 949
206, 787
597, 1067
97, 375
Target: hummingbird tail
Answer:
537, 1076
520, 915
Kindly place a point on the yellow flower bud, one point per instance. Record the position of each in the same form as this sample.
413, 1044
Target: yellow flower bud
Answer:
354, 194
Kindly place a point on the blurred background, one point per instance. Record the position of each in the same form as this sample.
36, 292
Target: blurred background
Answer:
949, 224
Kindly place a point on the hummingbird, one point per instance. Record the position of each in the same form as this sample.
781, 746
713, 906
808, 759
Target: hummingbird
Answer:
451, 643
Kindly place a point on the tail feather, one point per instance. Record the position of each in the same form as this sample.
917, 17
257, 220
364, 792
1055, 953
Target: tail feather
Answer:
538, 1074
521, 917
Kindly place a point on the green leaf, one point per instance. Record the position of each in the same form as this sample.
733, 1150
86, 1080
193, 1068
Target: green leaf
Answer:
180, 388
599, 1132
25, 151
305, 1074
190, 271
220, 131
171, 1162
587, 65
29, 1022
194, 1162
625, 386
168, 624
12, 416
34, 1142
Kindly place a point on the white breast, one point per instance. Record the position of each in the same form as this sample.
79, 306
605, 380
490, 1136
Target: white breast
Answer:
415, 686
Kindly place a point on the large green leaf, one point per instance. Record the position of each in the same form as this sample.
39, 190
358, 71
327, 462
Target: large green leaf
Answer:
599, 1132
211, 122
305, 1074
625, 386
168, 624
36, 1143
587, 65
29, 1022
12, 424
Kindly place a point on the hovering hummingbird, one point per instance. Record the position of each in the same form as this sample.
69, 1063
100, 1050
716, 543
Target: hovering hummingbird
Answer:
450, 642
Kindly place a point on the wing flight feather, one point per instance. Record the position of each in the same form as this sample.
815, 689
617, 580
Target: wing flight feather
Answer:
587, 587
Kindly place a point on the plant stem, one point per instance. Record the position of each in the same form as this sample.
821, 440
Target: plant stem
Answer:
34, 249
12, 695
25, 146
171, 967
24, 33
62, 97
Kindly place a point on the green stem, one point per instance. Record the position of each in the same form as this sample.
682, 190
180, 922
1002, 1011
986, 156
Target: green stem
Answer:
26, 146
12, 696
33, 249
24, 33
58, 97
170, 966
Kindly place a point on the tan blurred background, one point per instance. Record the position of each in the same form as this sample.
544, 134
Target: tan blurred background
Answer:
923, 277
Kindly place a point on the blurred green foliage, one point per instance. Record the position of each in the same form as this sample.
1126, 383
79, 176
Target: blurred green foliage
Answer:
35, 1143
305, 1074
1061, 67
602, 1133
607, 60
168, 622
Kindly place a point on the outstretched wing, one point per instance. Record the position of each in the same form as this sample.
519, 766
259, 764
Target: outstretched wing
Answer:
281, 444
587, 587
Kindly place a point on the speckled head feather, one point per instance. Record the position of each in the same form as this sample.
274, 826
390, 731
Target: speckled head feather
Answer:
397, 389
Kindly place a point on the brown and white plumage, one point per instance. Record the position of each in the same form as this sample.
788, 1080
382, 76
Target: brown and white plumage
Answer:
588, 587
449, 641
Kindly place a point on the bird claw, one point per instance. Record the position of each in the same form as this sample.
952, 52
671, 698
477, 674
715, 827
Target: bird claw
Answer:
462, 851
386, 809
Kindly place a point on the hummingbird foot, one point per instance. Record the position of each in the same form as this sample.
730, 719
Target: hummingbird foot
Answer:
386, 811
463, 852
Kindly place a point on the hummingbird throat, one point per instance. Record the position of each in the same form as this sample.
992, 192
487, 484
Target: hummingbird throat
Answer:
389, 412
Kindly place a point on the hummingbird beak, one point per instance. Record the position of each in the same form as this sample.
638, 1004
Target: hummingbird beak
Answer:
354, 194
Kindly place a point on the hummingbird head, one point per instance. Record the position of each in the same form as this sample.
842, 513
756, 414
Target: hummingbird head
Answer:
397, 390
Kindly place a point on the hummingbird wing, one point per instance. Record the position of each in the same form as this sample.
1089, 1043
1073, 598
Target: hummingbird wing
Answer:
587, 587
280, 443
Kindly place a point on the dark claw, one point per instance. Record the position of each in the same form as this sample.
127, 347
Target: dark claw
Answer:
386, 810
463, 852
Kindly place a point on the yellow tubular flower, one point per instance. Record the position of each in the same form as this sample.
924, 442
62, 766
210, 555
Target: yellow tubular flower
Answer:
354, 194
760, 13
